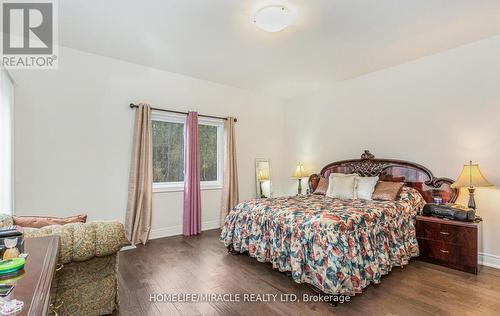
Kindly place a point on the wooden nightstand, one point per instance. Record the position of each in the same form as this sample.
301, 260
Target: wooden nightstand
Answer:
449, 243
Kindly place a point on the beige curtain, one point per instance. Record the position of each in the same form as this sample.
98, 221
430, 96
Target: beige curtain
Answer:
139, 205
230, 195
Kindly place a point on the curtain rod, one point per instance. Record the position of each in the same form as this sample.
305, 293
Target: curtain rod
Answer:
132, 105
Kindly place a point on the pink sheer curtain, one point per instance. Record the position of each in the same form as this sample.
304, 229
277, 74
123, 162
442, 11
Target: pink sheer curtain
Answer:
192, 194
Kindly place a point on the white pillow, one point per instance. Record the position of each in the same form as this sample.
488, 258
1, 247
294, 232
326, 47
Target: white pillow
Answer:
365, 187
342, 186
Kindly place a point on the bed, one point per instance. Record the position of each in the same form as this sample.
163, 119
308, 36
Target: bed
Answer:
337, 246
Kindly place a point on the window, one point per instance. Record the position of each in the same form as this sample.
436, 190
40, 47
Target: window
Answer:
168, 152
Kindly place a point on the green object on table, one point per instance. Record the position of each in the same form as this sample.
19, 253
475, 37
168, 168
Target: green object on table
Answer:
11, 265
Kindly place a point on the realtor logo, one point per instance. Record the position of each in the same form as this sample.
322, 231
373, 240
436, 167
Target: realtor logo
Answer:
29, 34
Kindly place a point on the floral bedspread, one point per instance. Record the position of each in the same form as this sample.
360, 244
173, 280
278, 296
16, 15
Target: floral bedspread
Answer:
339, 246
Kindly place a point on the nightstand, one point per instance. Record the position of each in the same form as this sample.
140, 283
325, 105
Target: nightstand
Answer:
448, 243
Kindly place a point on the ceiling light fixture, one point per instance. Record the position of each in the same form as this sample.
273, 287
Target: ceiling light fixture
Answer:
273, 18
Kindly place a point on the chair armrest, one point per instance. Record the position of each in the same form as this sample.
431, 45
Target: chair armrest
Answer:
110, 237
6, 220
82, 242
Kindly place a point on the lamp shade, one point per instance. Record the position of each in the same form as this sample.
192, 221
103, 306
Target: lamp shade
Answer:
263, 175
300, 172
471, 176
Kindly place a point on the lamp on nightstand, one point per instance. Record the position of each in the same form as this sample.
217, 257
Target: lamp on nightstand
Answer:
300, 173
471, 177
262, 175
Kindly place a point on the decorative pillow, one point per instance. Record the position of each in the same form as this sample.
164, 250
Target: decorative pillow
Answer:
342, 186
365, 187
322, 186
42, 221
387, 191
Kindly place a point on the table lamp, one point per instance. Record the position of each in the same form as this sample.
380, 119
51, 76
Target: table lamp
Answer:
471, 178
262, 175
300, 173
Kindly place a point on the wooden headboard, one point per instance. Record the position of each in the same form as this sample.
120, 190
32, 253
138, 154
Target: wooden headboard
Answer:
414, 175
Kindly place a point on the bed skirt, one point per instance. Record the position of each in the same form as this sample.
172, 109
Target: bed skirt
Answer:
334, 261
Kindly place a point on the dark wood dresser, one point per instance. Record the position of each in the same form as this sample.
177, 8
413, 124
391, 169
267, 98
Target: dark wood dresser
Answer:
449, 243
36, 286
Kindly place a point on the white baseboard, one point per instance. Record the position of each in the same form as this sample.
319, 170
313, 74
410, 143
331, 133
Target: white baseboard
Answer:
208, 225
177, 230
489, 260
128, 248
174, 231
165, 232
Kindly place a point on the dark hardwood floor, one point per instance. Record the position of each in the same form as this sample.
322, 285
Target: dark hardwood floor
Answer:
201, 265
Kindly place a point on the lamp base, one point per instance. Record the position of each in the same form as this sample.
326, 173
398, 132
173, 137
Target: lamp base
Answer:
299, 189
262, 196
472, 202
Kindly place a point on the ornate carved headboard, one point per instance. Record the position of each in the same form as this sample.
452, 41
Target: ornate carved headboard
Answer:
414, 175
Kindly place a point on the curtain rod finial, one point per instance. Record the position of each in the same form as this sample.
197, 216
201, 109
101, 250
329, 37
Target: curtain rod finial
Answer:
132, 105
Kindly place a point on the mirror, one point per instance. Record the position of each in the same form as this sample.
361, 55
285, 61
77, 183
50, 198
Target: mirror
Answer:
263, 178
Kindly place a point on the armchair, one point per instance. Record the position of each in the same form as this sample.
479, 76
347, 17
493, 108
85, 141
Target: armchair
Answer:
88, 254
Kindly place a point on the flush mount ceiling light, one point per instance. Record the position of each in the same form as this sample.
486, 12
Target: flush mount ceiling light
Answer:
273, 18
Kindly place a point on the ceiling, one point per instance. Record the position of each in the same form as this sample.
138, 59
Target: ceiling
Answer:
331, 40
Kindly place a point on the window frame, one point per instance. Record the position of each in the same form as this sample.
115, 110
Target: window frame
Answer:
219, 123
180, 118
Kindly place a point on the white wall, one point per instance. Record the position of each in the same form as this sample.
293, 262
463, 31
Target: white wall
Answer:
6, 140
440, 111
74, 130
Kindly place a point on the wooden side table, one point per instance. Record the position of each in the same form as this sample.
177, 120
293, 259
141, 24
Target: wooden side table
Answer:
36, 286
449, 243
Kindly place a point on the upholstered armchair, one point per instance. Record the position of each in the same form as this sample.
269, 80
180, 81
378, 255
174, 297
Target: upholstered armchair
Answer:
88, 254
